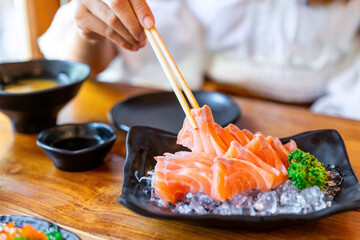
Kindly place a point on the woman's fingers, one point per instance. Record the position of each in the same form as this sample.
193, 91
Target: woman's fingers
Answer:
103, 12
143, 13
92, 28
122, 9
119, 20
82, 19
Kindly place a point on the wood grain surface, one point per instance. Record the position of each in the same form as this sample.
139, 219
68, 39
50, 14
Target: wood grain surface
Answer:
86, 202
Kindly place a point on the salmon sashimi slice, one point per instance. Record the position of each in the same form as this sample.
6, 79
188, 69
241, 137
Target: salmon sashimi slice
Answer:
290, 146
171, 185
248, 134
204, 139
239, 152
232, 176
237, 134
191, 139
279, 148
224, 135
180, 173
187, 159
263, 150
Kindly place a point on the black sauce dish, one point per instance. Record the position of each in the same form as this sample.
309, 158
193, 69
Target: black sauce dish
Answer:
143, 143
38, 224
30, 112
77, 147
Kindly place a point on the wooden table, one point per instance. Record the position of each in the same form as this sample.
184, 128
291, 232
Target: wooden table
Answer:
86, 203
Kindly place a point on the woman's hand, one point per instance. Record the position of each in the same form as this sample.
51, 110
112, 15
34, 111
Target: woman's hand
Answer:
121, 21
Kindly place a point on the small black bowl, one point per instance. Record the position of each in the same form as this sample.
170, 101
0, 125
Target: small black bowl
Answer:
77, 147
30, 112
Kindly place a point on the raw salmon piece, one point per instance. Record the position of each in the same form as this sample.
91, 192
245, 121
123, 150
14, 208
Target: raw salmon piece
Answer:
187, 159
191, 138
170, 185
279, 148
232, 176
180, 173
224, 135
237, 134
239, 152
248, 134
204, 139
290, 146
263, 150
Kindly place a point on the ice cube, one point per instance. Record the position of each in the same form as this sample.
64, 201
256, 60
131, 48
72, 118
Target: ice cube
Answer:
252, 197
279, 189
267, 202
207, 202
239, 200
183, 209
315, 197
328, 203
289, 209
249, 210
196, 205
292, 199
244, 210
223, 209
289, 187
319, 205
189, 195
156, 199
312, 194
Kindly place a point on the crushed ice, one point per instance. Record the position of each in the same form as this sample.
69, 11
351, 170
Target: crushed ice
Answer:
285, 199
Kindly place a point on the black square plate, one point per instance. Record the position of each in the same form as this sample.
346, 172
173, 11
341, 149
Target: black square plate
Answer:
143, 143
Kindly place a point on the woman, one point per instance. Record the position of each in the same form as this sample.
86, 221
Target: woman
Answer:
291, 51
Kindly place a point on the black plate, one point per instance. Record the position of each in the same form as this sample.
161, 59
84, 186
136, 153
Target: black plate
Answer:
144, 143
162, 110
38, 224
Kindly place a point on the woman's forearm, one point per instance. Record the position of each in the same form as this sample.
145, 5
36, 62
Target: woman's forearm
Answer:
98, 54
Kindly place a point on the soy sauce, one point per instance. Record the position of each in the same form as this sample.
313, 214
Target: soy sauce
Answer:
76, 143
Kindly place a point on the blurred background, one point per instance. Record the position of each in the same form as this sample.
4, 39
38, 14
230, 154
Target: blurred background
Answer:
21, 23
282, 47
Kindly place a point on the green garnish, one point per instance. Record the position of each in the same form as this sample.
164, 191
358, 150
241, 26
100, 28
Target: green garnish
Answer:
305, 170
54, 235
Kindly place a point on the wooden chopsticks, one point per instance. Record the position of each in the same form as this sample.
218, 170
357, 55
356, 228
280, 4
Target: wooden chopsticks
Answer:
169, 66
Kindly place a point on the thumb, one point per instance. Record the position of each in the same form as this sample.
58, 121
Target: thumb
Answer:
143, 13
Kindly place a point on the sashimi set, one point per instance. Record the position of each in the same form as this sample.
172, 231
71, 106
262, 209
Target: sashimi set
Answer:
227, 163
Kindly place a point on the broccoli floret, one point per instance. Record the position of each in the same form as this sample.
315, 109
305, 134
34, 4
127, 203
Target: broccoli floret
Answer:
305, 170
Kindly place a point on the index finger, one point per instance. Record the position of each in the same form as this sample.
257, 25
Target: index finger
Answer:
128, 15
143, 13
